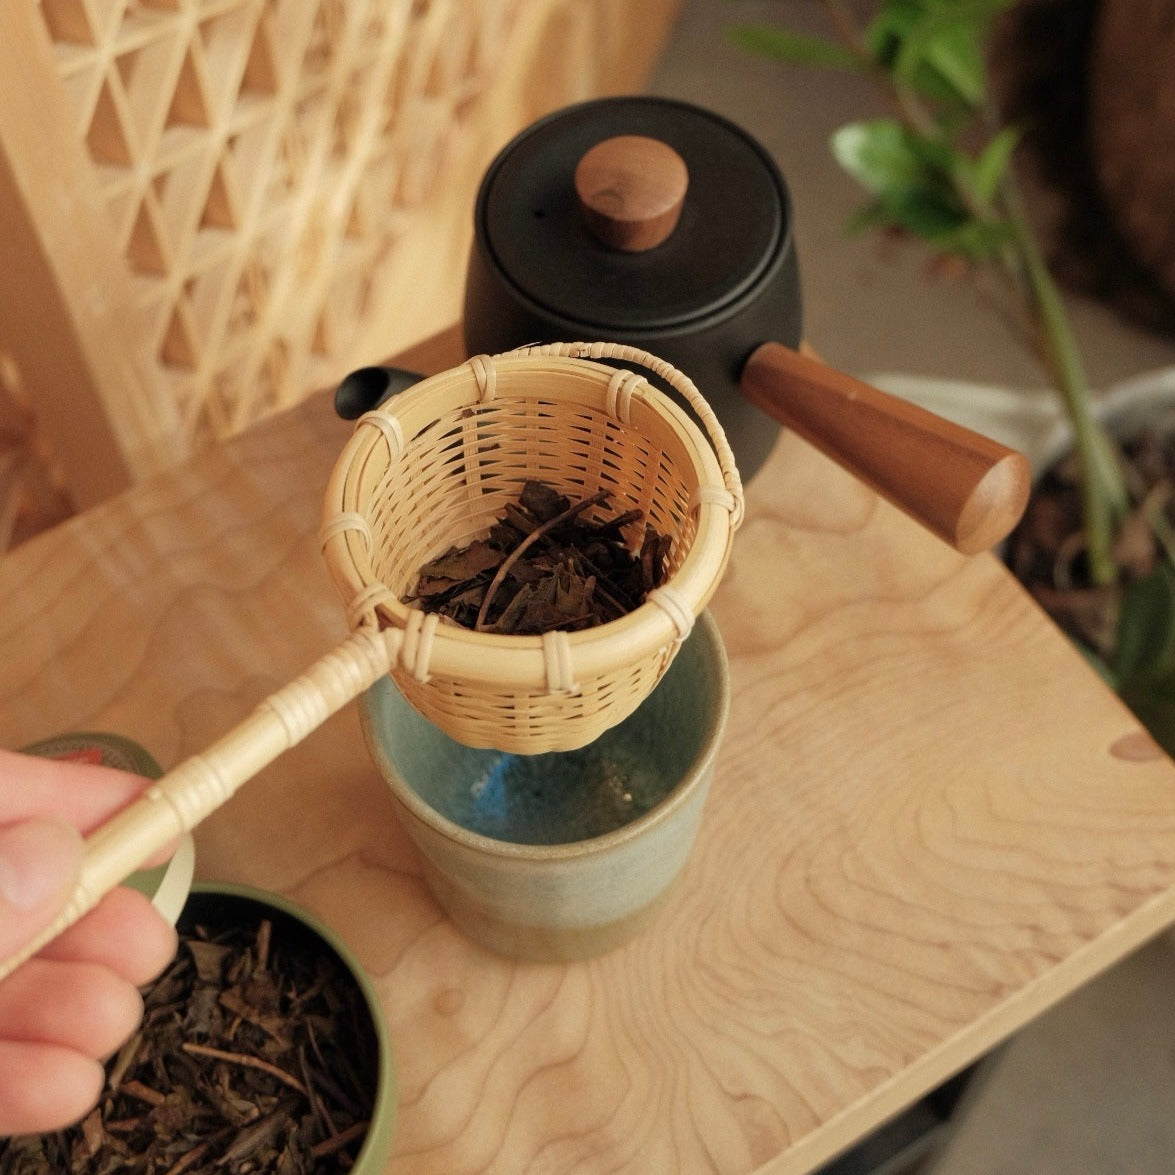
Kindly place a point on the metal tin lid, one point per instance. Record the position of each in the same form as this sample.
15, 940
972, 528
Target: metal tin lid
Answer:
166, 885
100, 749
734, 225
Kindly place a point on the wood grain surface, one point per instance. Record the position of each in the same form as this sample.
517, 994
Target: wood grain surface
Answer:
929, 821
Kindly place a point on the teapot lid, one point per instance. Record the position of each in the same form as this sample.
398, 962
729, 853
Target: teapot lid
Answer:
734, 224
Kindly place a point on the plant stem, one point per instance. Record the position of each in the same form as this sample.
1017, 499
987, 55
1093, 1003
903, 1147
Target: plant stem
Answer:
901, 97
1105, 500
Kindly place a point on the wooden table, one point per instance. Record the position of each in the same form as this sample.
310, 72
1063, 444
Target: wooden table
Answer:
930, 821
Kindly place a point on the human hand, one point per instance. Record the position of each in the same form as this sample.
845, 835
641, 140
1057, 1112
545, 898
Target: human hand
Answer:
73, 1004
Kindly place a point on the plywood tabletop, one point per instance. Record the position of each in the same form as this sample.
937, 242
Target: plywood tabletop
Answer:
929, 821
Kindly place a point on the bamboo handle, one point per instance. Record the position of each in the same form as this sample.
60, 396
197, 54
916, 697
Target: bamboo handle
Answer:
183, 797
964, 487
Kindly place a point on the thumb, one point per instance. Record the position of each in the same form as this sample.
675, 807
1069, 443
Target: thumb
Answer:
39, 864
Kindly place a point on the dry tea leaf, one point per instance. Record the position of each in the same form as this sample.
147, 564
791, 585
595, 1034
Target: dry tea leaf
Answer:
545, 565
256, 1055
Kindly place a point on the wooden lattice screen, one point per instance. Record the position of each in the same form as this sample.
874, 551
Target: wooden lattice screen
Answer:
209, 208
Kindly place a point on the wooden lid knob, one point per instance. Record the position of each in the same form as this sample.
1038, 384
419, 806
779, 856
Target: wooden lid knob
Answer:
631, 189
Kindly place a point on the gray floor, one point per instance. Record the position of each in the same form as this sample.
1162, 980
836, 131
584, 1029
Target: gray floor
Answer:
1088, 1089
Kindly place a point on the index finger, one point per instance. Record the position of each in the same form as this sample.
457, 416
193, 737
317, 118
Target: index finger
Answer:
83, 794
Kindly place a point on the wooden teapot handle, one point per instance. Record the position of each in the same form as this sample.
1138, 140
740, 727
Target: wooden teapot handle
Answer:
964, 487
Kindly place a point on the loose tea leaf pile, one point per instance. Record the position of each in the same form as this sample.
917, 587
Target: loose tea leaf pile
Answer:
256, 1054
545, 565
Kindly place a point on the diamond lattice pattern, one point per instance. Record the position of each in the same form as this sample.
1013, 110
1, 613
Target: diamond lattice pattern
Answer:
258, 160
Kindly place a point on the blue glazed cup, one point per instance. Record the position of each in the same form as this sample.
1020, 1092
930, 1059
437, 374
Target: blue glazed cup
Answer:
563, 855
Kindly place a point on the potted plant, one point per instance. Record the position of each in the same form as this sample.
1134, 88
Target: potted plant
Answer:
1097, 545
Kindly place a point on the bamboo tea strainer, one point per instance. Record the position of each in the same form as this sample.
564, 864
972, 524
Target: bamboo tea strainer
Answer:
434, 468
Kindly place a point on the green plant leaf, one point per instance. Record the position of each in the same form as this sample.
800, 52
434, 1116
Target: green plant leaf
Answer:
974, 240
927, 213
928, 57
910, 177
992, 165
1144, 659
941, 60
1146, 627
954, 56
1153, 704
880, 155
936, 154
782, 44
891, 25
936, 47
922, 215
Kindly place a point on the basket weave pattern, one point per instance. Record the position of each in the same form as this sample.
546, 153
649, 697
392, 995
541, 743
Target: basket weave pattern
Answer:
435, 467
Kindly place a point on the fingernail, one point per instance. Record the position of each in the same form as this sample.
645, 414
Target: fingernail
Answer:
38, 859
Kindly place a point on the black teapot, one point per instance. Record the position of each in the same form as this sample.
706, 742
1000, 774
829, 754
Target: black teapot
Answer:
657, 223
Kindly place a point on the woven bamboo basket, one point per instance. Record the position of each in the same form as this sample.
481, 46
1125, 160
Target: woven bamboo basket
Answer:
434, 468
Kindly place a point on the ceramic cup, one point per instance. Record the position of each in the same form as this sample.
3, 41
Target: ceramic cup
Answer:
562, 855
